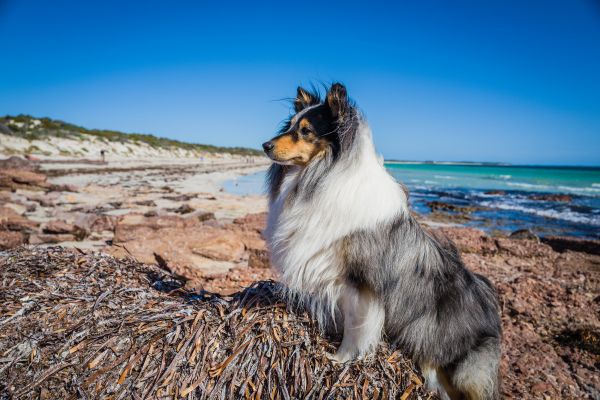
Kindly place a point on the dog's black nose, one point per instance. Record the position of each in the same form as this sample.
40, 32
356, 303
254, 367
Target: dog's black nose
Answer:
268, 146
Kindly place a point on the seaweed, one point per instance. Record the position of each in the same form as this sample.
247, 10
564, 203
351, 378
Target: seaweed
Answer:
87, 325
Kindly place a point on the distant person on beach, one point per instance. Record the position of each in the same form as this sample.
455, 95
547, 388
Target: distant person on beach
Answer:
103, 155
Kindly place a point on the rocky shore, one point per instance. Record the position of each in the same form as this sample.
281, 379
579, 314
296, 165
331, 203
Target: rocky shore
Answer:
178, 218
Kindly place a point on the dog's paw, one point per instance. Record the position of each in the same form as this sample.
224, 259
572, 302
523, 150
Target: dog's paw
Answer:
338, 358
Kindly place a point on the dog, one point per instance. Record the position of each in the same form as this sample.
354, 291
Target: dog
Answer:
343, 241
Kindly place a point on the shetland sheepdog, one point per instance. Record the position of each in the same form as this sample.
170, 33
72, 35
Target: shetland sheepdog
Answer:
344, 243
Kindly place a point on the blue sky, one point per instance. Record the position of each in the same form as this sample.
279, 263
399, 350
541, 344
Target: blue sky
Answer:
513, 81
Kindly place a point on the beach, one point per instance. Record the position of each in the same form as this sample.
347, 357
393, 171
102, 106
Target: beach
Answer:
202, 221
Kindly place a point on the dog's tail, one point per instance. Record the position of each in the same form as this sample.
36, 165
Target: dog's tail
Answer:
475, 377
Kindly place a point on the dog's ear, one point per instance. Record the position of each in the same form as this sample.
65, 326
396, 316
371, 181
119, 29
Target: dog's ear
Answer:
337, 99
304, 99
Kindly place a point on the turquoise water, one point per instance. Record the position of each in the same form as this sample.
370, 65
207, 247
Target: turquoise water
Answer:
572, 180
503, 196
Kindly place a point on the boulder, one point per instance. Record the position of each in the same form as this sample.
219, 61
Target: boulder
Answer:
24, 177
181, 242
562, 244
184, 209
556, 197
44, 238
469, 240
257, 222
63, 227
15, 162
10, 239
258, 258
524, 234
10, 220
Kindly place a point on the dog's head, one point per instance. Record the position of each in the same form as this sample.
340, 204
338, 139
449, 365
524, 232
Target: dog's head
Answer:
312, 130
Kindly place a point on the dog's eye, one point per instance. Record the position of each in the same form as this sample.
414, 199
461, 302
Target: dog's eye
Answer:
305, 131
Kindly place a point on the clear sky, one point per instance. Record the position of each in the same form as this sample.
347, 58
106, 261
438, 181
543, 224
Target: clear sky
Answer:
496, 80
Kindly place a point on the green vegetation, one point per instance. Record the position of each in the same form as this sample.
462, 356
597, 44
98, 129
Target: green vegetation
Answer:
50, 127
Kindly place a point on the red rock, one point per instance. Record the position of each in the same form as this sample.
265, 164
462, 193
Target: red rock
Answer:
469, 240
63, 227
10, 239
558, 197
12, 221
42, 238
257, 222
181, 242
15, 162
24, 176
258, 259
220, 245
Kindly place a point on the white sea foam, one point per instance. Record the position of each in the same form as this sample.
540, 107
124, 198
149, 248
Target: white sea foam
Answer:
529, 185
505, 177
445, 177
585, 190
565, 215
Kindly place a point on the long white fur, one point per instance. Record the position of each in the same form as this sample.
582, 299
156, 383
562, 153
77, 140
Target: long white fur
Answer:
359, 194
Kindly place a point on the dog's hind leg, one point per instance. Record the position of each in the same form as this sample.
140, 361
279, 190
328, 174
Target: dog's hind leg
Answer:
363, 323
436, 380
477, 374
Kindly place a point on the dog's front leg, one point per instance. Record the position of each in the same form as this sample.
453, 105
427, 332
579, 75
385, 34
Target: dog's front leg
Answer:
363, 323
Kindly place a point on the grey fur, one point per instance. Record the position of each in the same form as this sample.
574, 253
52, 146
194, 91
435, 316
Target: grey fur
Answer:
437, 310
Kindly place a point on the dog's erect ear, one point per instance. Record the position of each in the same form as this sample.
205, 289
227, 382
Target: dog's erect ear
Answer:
337, 99
304, 99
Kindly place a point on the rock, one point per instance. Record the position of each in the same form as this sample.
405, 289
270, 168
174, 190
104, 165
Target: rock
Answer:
181, 197
181, 242
25, 177
495, 193
524, 234
556, 197
220, 245
103, 223
148, 203
12, 221
151, 213
442, 206
257, 222
469, 240
62, 188
44, 201
258, 258
60, 227
10, 239
184, 209
15, 162
562, 244
202, 216
42, 238
522, 248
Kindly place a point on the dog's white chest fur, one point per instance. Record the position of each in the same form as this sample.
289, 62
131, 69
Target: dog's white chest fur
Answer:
357, 194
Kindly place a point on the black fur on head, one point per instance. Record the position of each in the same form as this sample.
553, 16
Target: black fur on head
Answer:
327, 124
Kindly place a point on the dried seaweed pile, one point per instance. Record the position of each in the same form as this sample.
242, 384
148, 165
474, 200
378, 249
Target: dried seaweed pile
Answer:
90, 326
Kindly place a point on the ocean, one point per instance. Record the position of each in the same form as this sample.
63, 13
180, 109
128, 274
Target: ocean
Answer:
494, 197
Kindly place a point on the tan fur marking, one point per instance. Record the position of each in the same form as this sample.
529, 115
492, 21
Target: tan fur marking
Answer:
299, 152
304, 123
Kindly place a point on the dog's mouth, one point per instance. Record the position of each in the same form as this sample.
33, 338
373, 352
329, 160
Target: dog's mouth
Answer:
286, 161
